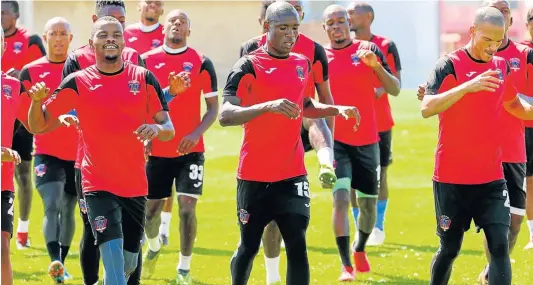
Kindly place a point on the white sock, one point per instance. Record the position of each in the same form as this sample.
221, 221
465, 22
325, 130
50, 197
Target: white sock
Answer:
154, 244
23, 226
272, 269
325, 156
164, 228
184, 263
530, 226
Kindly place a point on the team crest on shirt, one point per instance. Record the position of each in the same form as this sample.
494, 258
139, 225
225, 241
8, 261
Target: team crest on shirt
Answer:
444, 222
514, 63
83, 206
156, 43
500, 74
134, 86
6, 90
300, 72
187, 66
244, 216
355, 59
17, 47
40, 170
100, 224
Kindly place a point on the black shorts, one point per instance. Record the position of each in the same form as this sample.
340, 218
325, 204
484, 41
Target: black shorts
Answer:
49, 168
305, 139
515, 176
357, 166
8, 198
22, 141
266, 200
385, 148
529, 151
457, 205
187, 171
112, 217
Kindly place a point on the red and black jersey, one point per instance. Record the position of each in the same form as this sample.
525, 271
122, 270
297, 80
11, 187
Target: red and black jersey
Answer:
352, 83
21, 49
469, 143
143, 39
15, 105
272, 149
520, 59
110, 108
186, 107
61, 142
84, 57
304, 46
528, 43
383, 110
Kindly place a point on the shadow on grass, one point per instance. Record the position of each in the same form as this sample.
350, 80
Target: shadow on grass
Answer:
430, 249
212, 251
334, 251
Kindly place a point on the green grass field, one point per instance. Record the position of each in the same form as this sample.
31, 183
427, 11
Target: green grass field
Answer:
410, 224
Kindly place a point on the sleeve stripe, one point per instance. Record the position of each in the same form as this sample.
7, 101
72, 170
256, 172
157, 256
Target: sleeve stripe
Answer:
210, 94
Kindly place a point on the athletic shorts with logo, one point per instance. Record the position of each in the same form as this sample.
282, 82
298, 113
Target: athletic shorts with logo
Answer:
457, 205
186, 171
49, 168
529, 151
515, 175
360, 164
385, 148
8, 199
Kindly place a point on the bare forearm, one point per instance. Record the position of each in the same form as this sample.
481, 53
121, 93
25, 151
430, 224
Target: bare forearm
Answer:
166, 131
390, 83
37, 118
233, 115
316, 110
520, 108
207, 120
435, 104
324, 96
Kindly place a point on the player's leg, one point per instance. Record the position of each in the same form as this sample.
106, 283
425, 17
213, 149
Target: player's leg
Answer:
272, 248
67, 222
529, 185
23, 144
160, 174
253, 216
320, 139
166, 217
89, 252
452, 220
365, 178
341, 204
133, 218
105, 216
135, 277
8, 199
189, 187
385, 157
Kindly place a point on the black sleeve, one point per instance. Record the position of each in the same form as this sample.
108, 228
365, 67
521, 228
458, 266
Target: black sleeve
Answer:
529, 56
436, 77
394, 51
240, 69
141, 62
320, 55
36, 40
208, 66
375, 49
24, 75
22, 89
508, 67
249, 46
68, 82
71, 65
151, 80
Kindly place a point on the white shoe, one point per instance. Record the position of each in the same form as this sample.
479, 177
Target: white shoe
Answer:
377, 237
529, 245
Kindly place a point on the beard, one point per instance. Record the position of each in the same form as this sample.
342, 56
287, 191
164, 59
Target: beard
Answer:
111, 58
150, 19
176, 40
353, 29
340, 41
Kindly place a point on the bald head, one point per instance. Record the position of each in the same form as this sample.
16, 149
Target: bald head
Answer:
361, 8
177, 13
333, 9
492, 3
278, 11
489, 15
104, 21
55, 22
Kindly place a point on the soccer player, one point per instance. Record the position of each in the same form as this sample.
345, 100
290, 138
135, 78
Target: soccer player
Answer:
21, 48
55, 152
355, 67
315, 133
181, 160
361, 18
146, 34
469, 181
114, 194
265, 92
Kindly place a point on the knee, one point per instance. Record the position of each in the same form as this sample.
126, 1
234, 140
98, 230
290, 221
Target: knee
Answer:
498, 246
5, 246
187, 212
341, 201
153, 212
367, 205
514, 230
52, 209
449, 249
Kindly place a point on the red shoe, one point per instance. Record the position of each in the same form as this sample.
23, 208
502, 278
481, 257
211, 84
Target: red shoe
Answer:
347, 274
22, 241
361, 262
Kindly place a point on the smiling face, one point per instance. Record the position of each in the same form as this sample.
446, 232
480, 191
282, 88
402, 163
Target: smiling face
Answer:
108, 40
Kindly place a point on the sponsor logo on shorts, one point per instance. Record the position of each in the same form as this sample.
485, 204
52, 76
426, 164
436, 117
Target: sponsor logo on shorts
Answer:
100, 224
244, 216
40, 170
83, 206
444, 222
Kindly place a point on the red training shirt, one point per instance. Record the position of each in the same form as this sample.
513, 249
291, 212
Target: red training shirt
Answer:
272, 149
110, 108
468, 148
352, 83
15, 105
186, 107
21, 49
62, 142
141, 40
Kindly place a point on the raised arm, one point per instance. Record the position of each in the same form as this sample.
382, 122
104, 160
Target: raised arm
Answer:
374, 59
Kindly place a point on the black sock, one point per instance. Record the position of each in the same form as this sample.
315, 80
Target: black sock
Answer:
64, 253
361, 241
54, 250
343, 244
